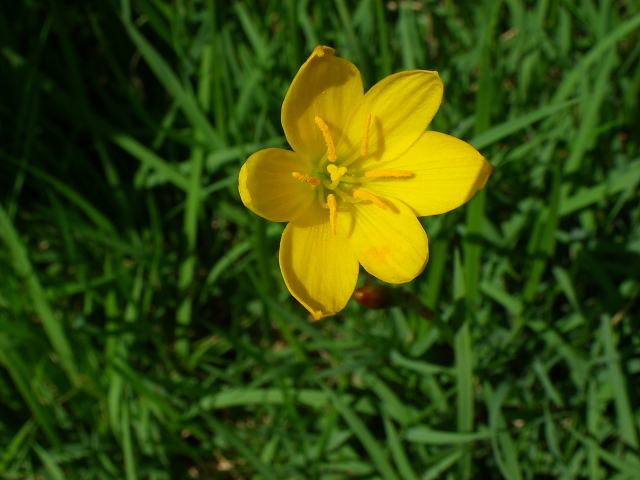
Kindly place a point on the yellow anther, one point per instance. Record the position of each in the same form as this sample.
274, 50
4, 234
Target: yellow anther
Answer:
336, 173
304, 177
388, 173
365, 138
333, 212
365, 195
328, 139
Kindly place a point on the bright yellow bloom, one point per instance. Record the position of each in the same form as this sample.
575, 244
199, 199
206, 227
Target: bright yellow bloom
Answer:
361, 170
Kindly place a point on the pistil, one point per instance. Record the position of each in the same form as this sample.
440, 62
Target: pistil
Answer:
336, 174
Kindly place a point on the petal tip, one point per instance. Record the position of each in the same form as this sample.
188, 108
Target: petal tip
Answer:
322, 50
319, 315
485, 174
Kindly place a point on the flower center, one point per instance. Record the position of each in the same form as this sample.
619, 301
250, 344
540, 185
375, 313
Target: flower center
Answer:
336, 174
336, 182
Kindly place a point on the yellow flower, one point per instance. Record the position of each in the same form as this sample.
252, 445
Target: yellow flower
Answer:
361, 170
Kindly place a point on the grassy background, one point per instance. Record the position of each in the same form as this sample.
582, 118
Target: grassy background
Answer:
145, 330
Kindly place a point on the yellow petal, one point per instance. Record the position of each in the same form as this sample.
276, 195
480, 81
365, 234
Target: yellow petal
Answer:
401, 106
390, 243
268, 188
447, 172
319, 268
326, 86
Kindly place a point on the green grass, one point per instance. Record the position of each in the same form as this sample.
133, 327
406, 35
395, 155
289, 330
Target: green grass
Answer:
146, 332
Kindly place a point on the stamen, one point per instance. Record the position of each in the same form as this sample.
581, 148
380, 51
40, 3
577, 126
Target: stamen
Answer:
304, 177
365, 138
388, 173
328, 139
333, 212
365, 195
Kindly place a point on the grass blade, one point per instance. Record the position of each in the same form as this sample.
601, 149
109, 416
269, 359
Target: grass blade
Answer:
376, 453
40, 303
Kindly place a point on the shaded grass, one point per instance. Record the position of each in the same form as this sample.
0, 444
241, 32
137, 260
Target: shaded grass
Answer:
146, 330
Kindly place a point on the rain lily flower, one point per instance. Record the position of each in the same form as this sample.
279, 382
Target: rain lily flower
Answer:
362, 169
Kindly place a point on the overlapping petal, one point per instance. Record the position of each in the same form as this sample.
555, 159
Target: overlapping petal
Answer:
268, 188
326, 86
401, 106
447, 172
390, 244
319, 268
